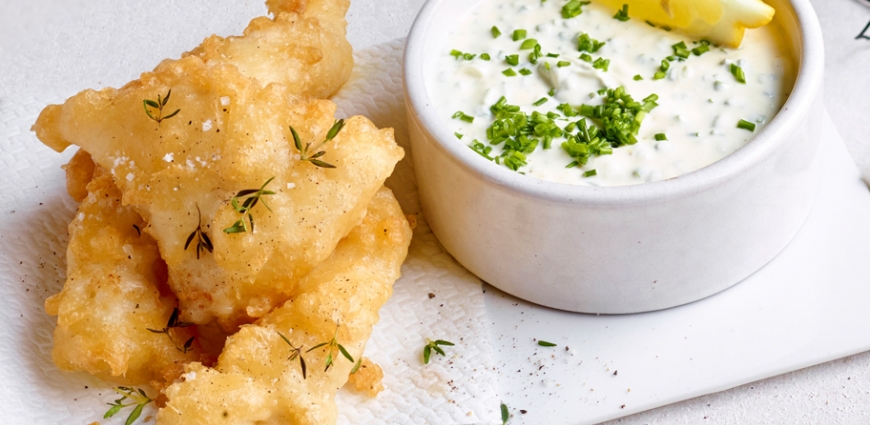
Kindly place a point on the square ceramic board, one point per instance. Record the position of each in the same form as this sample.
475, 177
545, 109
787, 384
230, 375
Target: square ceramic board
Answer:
809, 305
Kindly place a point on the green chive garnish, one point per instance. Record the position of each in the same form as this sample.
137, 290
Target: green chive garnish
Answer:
659, 75
586, 58
590, 173
622, 14
458, 136
485, 56
562, 64
746, 125
703, 48
519, 35
528, 44
540, 101
495, 32
681, 50
638, 77
661, 136
573, 8
546, 344
525, 71
463, 116
552, 92
738, 73
601, 64
512, 60
509, 72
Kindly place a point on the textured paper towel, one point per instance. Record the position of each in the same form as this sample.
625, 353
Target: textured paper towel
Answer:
35, 211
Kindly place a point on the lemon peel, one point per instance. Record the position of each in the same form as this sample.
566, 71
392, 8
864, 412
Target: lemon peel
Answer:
720, 21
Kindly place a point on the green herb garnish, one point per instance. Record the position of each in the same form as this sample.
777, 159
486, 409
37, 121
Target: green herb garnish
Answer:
585, 43
681, 50
528, 44
512, 60
703, 48
305, 152
505, 415
546, 344
331, 345
573, 8
434, 345
203, 243
495, 31
463, 116
622, 14
540, 101
509, 72
562, 64
480, 148
601, 64
638, 77
738, 73
746, 125
172, 324
661, 136
519, 35
252, 198
525, 71
296, 352
159, 104
137, 397
485, 56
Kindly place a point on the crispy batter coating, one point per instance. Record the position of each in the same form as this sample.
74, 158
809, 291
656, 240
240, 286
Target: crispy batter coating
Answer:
231, 134
367, 379
79, 172
255, 382
115, 290
303, 48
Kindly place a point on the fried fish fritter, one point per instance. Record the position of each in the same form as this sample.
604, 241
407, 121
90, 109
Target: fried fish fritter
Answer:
230, 134
257, 379
115, 291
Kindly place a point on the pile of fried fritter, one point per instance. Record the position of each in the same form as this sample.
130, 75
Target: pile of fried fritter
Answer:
234, 241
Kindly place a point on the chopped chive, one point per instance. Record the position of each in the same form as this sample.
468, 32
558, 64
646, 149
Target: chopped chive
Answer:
572, 165
659, 75
509, 72
540, 101
495, 31
589, 173
546, 344
586, 58
665, 66
681, 50
485, 56
519, 35
602, 92
638, 77
512, 60
700, 50
573, 8
738, 73
601, 64
622, 14
552, 55
525, 71
528, 43
458, 136
746, 125
585, 43
661, 136
562, 64
650, 24
456, 53
463, 116
468, 56
552, 92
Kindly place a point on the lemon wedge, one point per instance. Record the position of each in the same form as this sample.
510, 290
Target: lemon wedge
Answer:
720, 21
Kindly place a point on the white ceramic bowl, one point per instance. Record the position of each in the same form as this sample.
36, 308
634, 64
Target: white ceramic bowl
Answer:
622, 249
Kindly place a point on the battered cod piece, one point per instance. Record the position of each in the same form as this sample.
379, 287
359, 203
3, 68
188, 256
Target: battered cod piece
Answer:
230, 135
115, 291
257, 379
304, 47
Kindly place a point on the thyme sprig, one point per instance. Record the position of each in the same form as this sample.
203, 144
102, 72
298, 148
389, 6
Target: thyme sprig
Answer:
296, 352
172, 324
331, 345
306, 151
203, 243
251, 198
434, 345
158, 104
137, 397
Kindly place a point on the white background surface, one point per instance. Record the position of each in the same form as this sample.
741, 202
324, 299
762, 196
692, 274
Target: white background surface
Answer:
835, 392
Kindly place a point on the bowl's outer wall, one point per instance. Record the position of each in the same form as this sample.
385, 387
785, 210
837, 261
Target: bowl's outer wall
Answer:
628, 257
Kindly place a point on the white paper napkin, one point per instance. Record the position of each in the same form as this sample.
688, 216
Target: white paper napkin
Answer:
35, 211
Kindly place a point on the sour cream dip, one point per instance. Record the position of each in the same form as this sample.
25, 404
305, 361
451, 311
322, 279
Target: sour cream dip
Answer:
694, 102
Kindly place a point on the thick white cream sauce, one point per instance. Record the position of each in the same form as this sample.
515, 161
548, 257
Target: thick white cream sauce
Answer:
700, 101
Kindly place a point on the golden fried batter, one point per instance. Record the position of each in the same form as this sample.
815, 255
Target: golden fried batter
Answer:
231, 134
115, 290
303, 48
367, 379
256, 382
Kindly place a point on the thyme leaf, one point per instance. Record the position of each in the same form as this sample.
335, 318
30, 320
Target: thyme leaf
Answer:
305, 152
331, 346
251, 198
203, 242
137, 397
434, 345
296, 352
149, 104
172, 324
